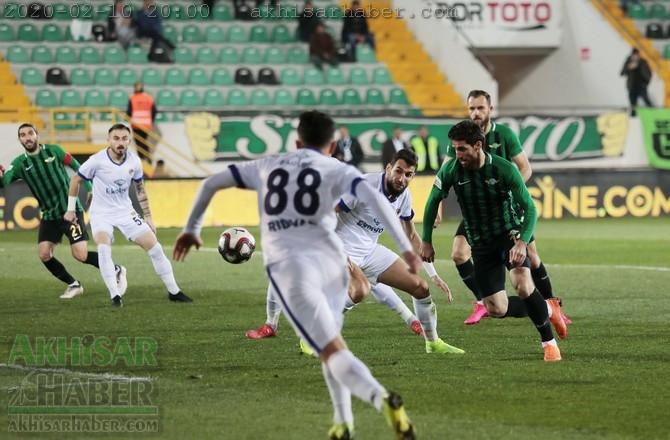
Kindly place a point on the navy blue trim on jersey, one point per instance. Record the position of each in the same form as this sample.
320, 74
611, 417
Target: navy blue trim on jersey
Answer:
138, 180
237, 176
356, 181
386, 194
125, 156
83, 177
343, 206
407, 217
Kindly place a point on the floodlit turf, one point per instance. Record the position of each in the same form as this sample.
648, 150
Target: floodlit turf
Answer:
213, 383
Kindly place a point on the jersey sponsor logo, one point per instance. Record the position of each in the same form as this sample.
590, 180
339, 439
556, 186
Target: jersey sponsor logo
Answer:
51, 159
120, 182
283, 223
112, 191
463, 183
368, 227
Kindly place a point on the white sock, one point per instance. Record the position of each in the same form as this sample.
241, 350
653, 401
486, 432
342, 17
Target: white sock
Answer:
106, 265
348, 305
427, 314
552, 342
340, 396
272, 308
480, 302
163, 268
387, 296
549, 309
355, 375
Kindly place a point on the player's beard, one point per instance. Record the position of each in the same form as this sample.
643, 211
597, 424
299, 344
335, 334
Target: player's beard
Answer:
32, 148
483, 122
392, 190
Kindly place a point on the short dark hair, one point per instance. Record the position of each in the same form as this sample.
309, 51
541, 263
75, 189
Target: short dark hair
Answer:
467, 131
316, 129
24, 125
406, 154
118, 127
477, 93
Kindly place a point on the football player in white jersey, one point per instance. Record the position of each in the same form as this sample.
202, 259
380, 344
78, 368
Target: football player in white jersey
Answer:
112, 170
304, 259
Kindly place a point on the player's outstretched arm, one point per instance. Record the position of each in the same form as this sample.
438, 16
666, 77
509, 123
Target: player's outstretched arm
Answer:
183, 245
432, 273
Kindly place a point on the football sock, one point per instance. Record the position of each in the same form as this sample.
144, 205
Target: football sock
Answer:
387, 296
92, 259
427, 314
272, 308
355, 375
58, 270
467, 273
348, 305
538, 313
163, 268
340, 396
542, 281
516, 308
107, 269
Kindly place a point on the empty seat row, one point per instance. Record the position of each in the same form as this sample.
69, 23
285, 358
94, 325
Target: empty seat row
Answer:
656, 11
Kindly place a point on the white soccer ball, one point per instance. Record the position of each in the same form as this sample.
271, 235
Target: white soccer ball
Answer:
236, 245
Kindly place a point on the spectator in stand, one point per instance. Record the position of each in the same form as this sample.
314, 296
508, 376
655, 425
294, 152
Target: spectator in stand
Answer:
148, 24
355, 28
638, 75
348, 149
307, 21
162, 171
392, 146
322, 48
119, 25
427, 149
142, 112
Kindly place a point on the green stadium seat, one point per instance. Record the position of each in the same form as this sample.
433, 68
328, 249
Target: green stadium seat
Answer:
213, 98
80, 77
184, 55
328, 97
31, 76
46, 98
222, 77
207, 55
89, 55
7, 33
104, 77
358, 76
128, 77
18, 54
305, 97
161, 117
166, 98
268, 12
114, 55
365, 54
190, 98
237, 34
281, 34
374, 96
52, 33
335, 76
298, 55
95, 98
137, 55
61, 11
657, 11
41, 54
198, 77
71, 98
666, 51
259, 34
175, 77
351, 97
274, 55
380, 75
637, 11
63, 121
178, 12
177, 117
11, 11
103, 12
171, 33
333, 12
28, 32
398, 96
230, 55
284, 98
252, 55
119, 99
222, 12
312, 76
237, 98
152, 77
260, 98
290, 77
66, 55
215, 34
191, 34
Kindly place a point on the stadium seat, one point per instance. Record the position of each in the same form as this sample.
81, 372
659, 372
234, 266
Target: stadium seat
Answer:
95, 98
80, 77
6, 33
365, 54
281, 34
89, 55
137, 55
275, 55
66, 55
11, 11
166, 98
119, 99
380, 75
128, 77
244, 76
103, 12
171, 33
198, 76
57, 77
283, 97
215, 34
222, 77
312, 76
31, 76
267, 76
374, 96
61, 11
207, 55
358, 76
178, 12
351, 97
184, 55
298, 55
260, 98
305, 97
175, 77
190, 98
666, 51
28, 32
290, 77
191, 34
333, 12
335, 76
161, 117
252, 55
222, 12
177, 117
104, 77
230, 55
654, 31
46, 98
658, 12
52, 33
71, 98
18, 54
63, 121
237, 34
328, 97
398, 96
236, 97
152, 77
213, 98
637, 11
41, 54
114, 55
259, 34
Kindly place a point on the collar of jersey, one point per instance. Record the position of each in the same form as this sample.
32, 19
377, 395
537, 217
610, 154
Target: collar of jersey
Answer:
125, 156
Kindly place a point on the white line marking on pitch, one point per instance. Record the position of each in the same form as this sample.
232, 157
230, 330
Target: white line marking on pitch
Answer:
109, 376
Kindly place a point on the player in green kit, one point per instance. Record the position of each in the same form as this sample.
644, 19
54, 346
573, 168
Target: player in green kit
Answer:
488, 189
42, 167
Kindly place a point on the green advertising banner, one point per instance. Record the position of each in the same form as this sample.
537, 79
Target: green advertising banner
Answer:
656, 136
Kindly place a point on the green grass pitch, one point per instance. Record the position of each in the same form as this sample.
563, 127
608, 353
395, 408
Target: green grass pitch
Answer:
213, 383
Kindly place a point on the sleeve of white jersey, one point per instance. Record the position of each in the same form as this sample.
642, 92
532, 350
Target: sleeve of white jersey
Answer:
138, 173
207, 189
87, 169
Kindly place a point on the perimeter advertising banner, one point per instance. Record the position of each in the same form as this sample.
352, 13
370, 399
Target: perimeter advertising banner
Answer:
656, 136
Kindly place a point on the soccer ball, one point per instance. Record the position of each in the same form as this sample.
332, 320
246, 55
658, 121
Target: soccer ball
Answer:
236, 245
